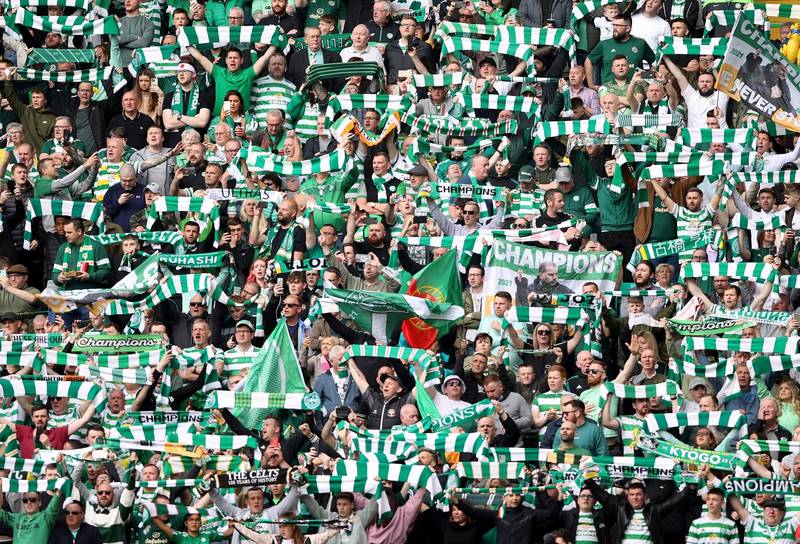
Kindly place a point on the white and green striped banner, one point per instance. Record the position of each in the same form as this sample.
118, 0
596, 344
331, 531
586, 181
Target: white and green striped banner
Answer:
553, 129
623, 391
213, 37
267, 401
730, 419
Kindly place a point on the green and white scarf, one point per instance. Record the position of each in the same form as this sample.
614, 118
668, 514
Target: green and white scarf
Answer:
14, 485
418, 476
41, 387
695, 168
500, 102
694, 136
259, 160
749, 448
438, 80
655, 250
783, 177
773, 344
759, 272
429, 365
779, 319
268, 401
91, 212
487, 470
202, 206
158, 237
194, 260
72, 76
72, 25
25, 360
180, 284
664, 389
214, 37
553, 129
730, 419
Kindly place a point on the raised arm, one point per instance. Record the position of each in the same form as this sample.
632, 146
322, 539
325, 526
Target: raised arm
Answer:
207, 65
358, 376
683, 83
663, 195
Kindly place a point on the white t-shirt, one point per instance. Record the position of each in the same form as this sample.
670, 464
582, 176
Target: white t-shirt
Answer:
650, 29
447, 406
697, 107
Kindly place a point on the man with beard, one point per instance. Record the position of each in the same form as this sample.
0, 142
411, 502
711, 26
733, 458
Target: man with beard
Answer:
375, 243
701, 100
694, 218
545, 283
286, 240
553, 214
40, 436
188, 106
634, 49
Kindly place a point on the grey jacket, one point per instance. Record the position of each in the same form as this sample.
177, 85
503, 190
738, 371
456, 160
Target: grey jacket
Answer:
360, 519
518, 409
530, 11
287, 504
451, 229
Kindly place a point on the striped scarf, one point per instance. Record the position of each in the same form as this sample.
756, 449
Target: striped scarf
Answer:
16, 345
54, 56
748, 448
529, 314
214, 37
259, 160
174, 285
40, 387
337, 70
80, 4
129, 360
72, 25
727, 17
694, 136
418, 476
787, 176
680, 366
452, 44
91, 212
158, 432
158, 237
267, 401
773, 344
759, 272
14, 485
342, 484
72, 76
438, 80
202, 206
731, 419
779, 319
116, 375
582, 9
429, 365
497, 102
479, 128
553, 129
485, 471
29, 359
152, 509
22, 465
695, 168
649, 120
664, 389
772, 222
656, 250
348, 102
693, 46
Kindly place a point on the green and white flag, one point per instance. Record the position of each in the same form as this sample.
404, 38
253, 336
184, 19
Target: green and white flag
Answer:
214, 37
259, 160
780, 319
72, 25
36, 207
693, 136
380, 314
275, 370
772, 344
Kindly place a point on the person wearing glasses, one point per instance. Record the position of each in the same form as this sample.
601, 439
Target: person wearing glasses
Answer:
74, 529
32, 524
101, 510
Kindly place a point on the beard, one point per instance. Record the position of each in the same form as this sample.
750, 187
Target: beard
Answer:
706, 94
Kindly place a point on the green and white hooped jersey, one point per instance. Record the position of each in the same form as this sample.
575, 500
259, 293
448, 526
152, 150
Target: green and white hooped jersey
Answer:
586, 532
235, 361
630, 428
637, 531
705, 530
758, 532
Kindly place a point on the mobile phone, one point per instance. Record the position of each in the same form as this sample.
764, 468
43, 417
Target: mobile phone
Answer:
370, 221
190, 170
226, 106
342, 413
648, 74
275, 442
773, 250
278, 282
264, 204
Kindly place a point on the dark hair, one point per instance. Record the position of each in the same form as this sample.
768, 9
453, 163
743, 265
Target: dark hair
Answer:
296, 276
503, 294
333, 270
550, 194
479, 267
232, 49
346, 496
619, 57
650, 265
578, 404
679, 20
77, 224
625, 17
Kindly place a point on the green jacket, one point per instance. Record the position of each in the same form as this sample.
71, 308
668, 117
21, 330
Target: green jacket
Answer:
35, 528
38, 124
71, 256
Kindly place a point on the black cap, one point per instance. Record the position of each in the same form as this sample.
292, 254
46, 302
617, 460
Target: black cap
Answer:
775, 503
8, 316
418, 170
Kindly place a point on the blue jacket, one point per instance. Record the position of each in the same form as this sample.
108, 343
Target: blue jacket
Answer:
121, 215
326, 389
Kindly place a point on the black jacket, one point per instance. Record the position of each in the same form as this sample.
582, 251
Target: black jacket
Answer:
511, 436
621, 512
296, 72
100, 112
397, 59
87, 534
602, 525
518, 525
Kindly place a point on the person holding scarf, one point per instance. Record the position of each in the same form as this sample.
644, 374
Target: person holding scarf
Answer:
286, 240
188, 105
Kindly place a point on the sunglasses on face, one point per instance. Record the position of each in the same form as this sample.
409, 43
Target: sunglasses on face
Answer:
470, 212
73, 512
543, 333
196, 304
28, 500
104, 492
289, 305
594, 371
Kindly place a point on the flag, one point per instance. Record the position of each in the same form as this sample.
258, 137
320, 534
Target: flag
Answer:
380, 314
141, 278
275, 370
756, 74
439, 281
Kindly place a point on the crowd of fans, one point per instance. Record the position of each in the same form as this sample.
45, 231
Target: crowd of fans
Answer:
209, 196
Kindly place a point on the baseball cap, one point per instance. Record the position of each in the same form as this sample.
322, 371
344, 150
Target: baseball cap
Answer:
153, 188
245, 323
563, 174
525, 174
697, 382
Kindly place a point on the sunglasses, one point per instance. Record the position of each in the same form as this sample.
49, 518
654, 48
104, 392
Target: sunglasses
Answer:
543, 333
28, 500
105, 492
73, 512
594, 371
470, 212
289, 305
197, 304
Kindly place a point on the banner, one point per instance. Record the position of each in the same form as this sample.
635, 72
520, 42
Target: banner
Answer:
687, 454
196, 260
780, 319
146, 418
761, 486
506, 259
755, 73
46, 340
330, 42
243, 193
686, 327
264, 476
107, 343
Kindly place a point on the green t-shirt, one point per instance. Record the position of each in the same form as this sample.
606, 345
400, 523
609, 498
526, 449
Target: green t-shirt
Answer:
333, 189
635, 49
665, 227
225, 80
